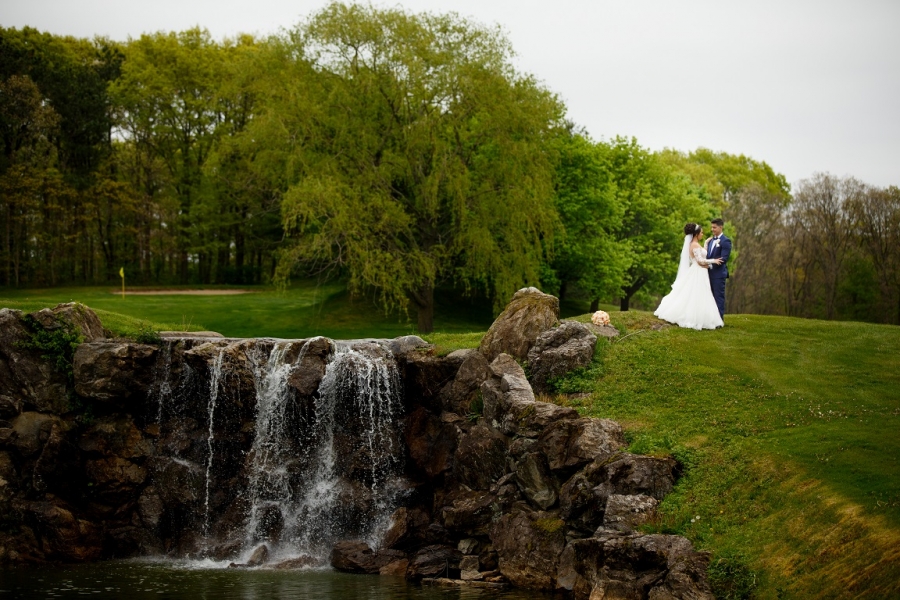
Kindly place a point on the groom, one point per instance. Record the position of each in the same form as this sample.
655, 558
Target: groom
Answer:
718, 246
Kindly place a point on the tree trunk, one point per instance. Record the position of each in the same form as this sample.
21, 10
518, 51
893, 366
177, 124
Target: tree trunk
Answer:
623, 303
562, 291
595, 305
424, 301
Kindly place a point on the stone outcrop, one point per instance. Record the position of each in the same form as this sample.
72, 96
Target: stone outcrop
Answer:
529, 314
147, 446
559, 350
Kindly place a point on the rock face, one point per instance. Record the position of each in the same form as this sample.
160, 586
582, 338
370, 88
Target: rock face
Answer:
147, 447
529, 314
559, 350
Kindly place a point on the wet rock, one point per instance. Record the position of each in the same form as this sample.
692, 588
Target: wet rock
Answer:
357, 557
115, 479
480, 457
113, 372
58, 468
408, 529
307, 373
395, 568
115, 435
425, 377
64, 536
460, 394
528, 545
624, 513
434, 561
150, 508
430, 442
178, 481
468, 568
401, 346
259, 557
514, 332
572, 443
300, 562
630, 565
558, 351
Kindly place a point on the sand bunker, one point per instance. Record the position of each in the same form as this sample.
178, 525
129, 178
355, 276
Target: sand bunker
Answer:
183, 292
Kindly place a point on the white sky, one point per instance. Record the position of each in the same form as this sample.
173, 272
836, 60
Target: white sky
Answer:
805, 85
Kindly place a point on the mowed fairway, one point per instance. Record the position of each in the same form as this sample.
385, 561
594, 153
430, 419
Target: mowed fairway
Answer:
788, 429
304, 310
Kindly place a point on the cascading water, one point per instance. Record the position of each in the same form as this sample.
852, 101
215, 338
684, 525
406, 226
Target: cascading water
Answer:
327, 469
214, 377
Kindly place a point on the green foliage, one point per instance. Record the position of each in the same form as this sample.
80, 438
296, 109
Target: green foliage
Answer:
147, 334
424, 159
55, 345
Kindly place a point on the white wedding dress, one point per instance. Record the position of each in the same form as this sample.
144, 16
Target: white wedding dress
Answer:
691, 303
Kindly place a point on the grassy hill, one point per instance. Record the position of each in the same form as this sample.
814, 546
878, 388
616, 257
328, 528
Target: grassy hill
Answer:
788, 429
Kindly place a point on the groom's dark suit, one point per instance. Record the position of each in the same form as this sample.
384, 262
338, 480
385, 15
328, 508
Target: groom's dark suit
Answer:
718, 247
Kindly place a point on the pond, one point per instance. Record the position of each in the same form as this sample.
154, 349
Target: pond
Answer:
167, 579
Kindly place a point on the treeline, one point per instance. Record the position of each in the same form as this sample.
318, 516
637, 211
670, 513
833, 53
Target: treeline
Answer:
401, 152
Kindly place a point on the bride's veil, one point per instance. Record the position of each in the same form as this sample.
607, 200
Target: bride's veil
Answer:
684, 260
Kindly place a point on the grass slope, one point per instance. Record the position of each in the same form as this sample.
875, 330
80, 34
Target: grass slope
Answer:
790, 433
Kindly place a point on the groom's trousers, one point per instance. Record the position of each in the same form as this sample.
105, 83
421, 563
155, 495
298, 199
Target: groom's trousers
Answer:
717, 284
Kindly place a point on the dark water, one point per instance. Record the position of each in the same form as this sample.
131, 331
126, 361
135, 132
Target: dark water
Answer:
139, 580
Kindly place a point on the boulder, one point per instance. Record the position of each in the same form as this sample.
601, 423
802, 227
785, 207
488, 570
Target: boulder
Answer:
528, 545
583, 498
570, 444
509, 403
558, 351
401, 346
434, 561
625, 512
259, 557
480, 457
71, 315
357, 557
460, 394
115, 435
631, 565
471, 513
426, 375
31, 430
632, 474
529, 314
535, 480
113, 372
63, 535
309, 366
408, 529
430, 442
27, 381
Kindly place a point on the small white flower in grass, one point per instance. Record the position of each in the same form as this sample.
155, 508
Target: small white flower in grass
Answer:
600, 318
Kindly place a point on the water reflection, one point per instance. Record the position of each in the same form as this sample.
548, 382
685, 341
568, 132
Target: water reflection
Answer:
138, 580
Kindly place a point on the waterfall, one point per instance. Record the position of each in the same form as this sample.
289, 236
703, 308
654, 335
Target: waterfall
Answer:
214, 377
327, 469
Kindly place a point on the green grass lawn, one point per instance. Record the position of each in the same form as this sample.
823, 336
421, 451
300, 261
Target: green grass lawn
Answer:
788, 429
304, 310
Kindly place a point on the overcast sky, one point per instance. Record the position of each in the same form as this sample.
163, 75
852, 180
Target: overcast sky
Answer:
805, 85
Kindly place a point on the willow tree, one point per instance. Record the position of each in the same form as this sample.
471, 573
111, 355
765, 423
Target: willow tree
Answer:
423, 158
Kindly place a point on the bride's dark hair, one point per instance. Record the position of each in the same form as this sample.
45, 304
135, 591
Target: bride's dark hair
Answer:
691, 229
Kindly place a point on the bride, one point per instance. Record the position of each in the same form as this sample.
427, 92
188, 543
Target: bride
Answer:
691, 303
